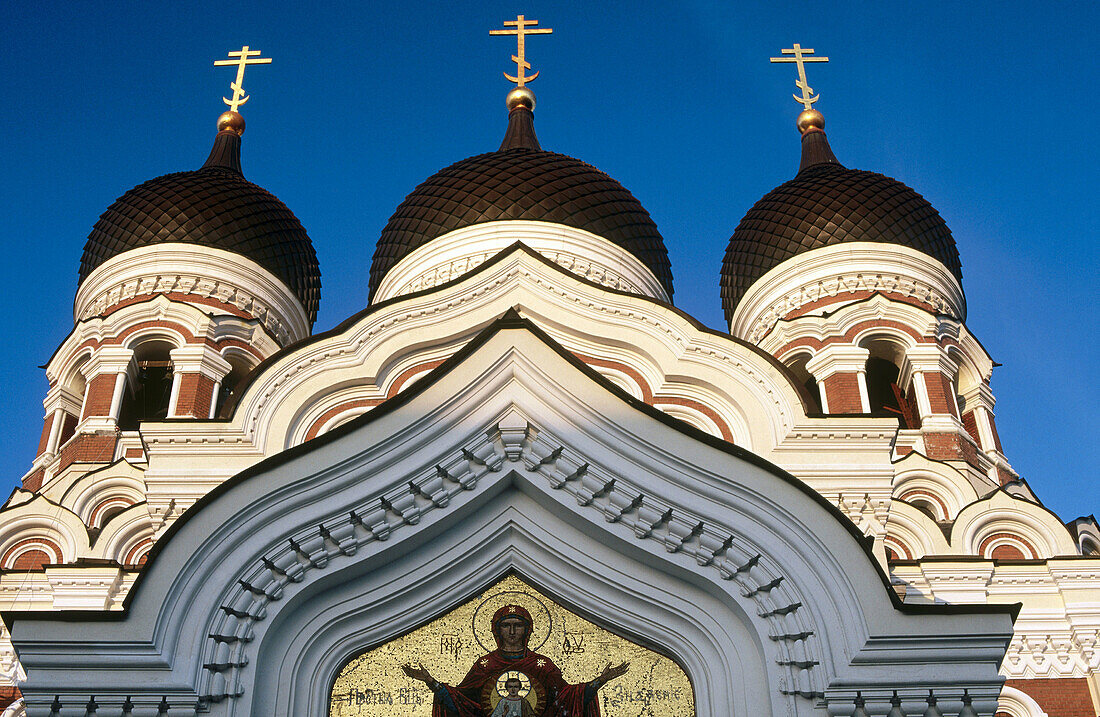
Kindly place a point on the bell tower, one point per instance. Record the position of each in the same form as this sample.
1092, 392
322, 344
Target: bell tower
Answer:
187, 282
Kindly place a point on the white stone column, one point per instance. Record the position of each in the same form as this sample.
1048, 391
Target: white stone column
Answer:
60, 402
114, 361
979, 400
200, 360
925, 362
841, 359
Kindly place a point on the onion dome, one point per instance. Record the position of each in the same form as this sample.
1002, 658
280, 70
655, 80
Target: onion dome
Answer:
521, 181
214, 206
827, 204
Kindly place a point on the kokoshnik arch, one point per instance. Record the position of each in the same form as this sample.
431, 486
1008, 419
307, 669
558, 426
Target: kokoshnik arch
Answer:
810, 514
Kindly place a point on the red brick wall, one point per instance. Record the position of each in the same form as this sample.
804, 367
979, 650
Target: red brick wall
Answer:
842, 393
32, 559
100, 392
45, 439
196, 393
1068, 697
1007, 552
949, 447
8, 694
68, 428
970, 422
939, 393
34, 481
88, 448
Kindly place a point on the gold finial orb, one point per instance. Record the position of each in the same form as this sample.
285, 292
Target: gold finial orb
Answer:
810, 120
521, 97
231, 121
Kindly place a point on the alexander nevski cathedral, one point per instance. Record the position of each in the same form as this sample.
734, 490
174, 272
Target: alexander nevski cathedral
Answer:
520, 481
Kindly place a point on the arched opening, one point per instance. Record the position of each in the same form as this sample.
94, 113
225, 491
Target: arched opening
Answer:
883, 374
797, 365
242, 365
150, 389
925, 506
964, 380
1089, 547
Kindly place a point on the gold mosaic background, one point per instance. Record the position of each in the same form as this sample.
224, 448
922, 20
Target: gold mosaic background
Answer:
373, 685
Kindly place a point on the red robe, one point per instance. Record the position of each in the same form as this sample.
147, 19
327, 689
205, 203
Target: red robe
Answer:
556, 698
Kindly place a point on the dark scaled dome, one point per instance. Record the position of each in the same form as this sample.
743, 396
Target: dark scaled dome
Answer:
213, 206
828, 204
520, 181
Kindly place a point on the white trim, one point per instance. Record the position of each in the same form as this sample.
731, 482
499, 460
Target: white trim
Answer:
116, 394
198, 270
581, 252
849, 267
55, 431
173, 399
1018, 703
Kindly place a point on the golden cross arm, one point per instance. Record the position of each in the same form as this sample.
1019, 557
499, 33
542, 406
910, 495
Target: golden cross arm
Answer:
521, 28
245, 56
800, 56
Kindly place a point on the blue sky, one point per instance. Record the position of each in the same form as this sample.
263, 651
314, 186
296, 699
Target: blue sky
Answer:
984, 108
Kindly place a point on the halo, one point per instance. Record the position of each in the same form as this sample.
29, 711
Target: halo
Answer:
542, 622
513, 675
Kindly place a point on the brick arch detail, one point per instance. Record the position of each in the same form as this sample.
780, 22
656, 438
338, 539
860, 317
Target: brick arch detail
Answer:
899, 549
189, 338
648, 396
405, 376
137, 554
315, 427
723, 427
850, 335
32, 554
94, 518
1014, 538
909, 495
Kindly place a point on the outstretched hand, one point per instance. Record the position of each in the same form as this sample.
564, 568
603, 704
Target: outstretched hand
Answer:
418, 673
609, 673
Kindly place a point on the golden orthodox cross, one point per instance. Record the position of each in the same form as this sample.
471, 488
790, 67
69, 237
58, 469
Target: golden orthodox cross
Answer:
245, 57
801, 56
521, 29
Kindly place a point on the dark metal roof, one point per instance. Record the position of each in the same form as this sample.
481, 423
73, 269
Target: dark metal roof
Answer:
217, 207
521, 182
827, 204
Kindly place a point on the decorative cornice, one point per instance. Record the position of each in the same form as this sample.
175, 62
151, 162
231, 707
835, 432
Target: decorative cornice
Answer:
514, 440
845, 268
197, 271
582, 253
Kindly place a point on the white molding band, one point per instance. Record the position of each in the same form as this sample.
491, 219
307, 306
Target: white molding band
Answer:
196, 270
585, 254
850, 267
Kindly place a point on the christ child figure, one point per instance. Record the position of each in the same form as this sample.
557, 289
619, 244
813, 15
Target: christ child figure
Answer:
512, 704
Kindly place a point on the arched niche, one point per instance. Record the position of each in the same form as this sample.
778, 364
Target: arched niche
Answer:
367, 601
460, 642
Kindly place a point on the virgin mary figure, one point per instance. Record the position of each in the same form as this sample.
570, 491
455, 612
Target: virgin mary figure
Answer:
493, 678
